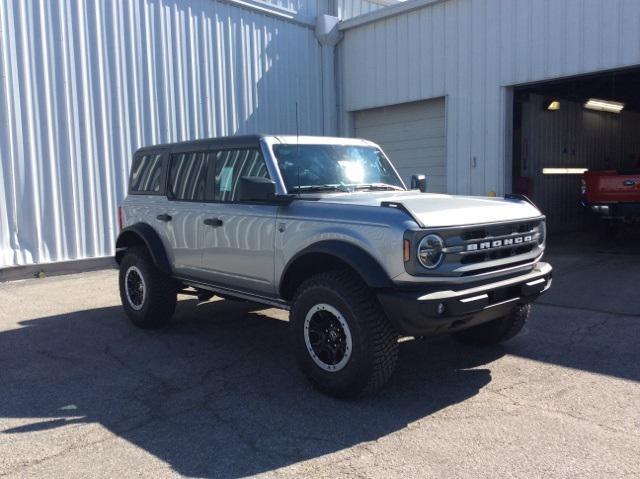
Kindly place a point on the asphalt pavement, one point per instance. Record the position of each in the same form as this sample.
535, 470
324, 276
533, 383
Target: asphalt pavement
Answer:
83, 393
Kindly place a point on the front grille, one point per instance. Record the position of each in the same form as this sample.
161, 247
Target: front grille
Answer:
499, 230
480, 249
494, 268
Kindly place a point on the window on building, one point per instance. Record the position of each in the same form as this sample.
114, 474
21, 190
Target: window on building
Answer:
231, 165
188, 176
146, 174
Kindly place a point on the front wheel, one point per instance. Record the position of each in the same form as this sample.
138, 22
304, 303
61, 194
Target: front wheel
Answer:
341, 337
496, 331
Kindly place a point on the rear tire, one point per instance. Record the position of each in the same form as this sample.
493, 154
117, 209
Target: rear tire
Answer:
148, 295
496, 331
341, 337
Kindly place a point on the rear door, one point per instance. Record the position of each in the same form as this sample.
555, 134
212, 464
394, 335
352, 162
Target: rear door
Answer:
146, 199
239, 236
185, 211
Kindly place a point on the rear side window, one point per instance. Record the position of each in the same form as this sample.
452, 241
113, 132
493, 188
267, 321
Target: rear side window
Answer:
188, 176
231, 165
146, 174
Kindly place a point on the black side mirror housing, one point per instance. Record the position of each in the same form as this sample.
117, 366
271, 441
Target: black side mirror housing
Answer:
419, 182
258, 188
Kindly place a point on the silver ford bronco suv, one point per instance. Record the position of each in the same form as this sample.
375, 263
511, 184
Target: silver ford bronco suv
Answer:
326, 228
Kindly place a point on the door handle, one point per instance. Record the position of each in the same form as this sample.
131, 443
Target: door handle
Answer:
164, 217
215, 222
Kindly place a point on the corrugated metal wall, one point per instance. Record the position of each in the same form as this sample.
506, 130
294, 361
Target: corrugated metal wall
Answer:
572, 137
469, 50
84, 83
309, 8
352, 8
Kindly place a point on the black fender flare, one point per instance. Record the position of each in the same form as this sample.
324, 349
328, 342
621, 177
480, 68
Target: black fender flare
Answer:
142, 232
354, 256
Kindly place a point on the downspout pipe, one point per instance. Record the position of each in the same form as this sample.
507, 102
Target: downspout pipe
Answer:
329, 35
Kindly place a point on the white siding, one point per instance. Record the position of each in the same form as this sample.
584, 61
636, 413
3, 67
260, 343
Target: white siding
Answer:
412, 135
469, 51
352, 8
85, 83
309, 8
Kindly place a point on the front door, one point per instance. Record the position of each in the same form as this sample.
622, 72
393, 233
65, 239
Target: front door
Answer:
239, 237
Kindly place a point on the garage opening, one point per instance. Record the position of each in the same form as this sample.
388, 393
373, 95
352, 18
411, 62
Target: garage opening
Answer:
412, 135
563, 128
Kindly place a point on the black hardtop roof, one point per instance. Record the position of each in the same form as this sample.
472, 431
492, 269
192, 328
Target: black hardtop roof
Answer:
240, 141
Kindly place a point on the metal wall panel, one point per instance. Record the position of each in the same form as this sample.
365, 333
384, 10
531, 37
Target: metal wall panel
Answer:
308, 8
84, 83
471, 51
352, 8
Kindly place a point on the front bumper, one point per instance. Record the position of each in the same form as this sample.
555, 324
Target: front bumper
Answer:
441, 310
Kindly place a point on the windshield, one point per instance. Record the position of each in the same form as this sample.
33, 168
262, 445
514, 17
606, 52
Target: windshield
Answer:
335, 168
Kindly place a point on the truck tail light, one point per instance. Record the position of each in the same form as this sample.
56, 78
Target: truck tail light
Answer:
119, 218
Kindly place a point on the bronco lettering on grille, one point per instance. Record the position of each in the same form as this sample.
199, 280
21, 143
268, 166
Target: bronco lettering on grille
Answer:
485, 245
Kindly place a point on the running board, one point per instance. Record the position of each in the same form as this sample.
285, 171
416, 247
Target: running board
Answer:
222, 291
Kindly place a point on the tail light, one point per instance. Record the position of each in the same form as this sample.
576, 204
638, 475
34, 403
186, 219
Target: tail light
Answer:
120, 218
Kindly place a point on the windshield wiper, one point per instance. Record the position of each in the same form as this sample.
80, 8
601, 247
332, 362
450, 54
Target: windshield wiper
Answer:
313, 188
378, 186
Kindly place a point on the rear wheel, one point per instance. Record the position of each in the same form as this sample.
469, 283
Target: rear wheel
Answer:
496, 331
148, 295
341, 337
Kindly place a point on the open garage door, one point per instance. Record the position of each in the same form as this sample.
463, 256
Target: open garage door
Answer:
412, 135
564, 127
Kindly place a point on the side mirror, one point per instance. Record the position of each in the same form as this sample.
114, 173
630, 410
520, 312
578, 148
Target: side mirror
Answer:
419, 182
258, 188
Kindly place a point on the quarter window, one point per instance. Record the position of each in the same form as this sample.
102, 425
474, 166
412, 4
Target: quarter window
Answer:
146, 174
231, 165
188, 176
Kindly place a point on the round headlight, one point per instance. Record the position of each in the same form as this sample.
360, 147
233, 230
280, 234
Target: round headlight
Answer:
430, 252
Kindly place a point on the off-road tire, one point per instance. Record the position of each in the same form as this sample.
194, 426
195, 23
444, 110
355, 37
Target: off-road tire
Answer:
374, 342
160, 296
496, 331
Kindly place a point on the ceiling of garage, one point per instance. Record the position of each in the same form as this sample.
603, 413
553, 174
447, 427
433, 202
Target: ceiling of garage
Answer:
622, 86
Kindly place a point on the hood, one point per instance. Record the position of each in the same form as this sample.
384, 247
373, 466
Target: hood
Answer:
432, 210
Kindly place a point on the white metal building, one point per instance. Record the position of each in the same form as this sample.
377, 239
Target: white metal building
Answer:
455, 89
86, 82
472, 56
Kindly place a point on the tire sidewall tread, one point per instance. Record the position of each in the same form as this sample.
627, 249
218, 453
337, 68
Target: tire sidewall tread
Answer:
160, 291
375, 350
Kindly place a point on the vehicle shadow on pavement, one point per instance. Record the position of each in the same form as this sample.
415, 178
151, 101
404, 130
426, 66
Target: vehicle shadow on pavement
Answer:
216, 393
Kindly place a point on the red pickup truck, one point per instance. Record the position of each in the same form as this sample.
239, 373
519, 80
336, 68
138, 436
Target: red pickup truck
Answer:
612, 194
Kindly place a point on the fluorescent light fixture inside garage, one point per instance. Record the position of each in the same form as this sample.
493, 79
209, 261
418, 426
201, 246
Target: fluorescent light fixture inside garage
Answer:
604, 105
553, 105
563, 171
